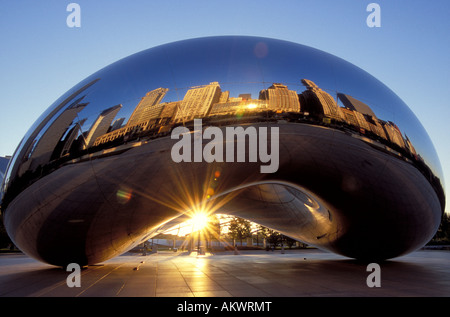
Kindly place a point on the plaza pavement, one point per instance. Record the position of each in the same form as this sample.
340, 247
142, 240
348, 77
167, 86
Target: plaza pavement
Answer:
294, 273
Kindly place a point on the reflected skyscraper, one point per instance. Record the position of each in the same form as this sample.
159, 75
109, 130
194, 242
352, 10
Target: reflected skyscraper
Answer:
355, 105
280, 98
149, 107
236, 106
26, 146
95, 175
198, 101
169, 112
320, 102
68, 142
42, 151
3, 164
101, 125
394, 134
117, 124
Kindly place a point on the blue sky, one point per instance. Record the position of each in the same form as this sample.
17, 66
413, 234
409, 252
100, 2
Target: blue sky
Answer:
41, 57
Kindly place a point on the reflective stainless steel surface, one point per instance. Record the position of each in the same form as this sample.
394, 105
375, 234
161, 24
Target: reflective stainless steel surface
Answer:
346, 165
3, 165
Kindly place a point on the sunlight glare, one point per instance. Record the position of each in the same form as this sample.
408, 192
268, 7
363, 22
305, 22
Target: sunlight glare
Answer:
199, 221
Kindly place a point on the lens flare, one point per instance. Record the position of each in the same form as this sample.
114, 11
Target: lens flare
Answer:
199, 221
123, 195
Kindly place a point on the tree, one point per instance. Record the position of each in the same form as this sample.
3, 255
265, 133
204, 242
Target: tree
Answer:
289, 241
239, 228
275, 238
442, 236
262, 232
213, 228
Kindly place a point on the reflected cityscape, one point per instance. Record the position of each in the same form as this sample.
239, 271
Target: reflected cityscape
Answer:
94, 176
65, 141
153, 118
3, 165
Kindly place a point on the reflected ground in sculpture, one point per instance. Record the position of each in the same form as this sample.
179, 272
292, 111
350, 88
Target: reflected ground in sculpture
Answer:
95, 176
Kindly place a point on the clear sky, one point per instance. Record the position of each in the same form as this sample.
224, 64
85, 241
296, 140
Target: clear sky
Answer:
41, 57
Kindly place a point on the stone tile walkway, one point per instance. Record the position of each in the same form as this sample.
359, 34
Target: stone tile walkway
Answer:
296, 273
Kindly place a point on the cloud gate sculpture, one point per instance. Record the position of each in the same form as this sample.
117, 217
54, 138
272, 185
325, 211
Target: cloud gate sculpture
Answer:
278, 133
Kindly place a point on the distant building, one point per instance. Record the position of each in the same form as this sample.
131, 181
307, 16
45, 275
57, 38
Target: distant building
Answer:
101, 125
245, 96
376, 127
280, 98
3, 165
198, 101
66, 145
224, 96
160, 115
42, 150
356, 105
350, 117
321, 103
394, 134
410, 147
149, 107
117, 124
169, 111
237, 105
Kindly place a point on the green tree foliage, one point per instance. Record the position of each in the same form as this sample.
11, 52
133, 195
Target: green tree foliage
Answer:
289, 241
262, 231
442, 236
213, 228
239, 229
275, 238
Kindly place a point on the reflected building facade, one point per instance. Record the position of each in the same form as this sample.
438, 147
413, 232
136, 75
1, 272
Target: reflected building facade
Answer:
198, 101
3, 165
154, 115
94, 176
101, 125
44, 150
279, 98
320, 103
148, 108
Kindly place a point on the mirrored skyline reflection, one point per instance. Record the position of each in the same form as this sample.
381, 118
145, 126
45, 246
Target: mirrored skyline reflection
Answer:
246, 65
67, 138
96, 172
242, 67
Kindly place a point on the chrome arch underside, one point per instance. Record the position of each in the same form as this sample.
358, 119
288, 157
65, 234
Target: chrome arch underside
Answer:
355, 171
349, 205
